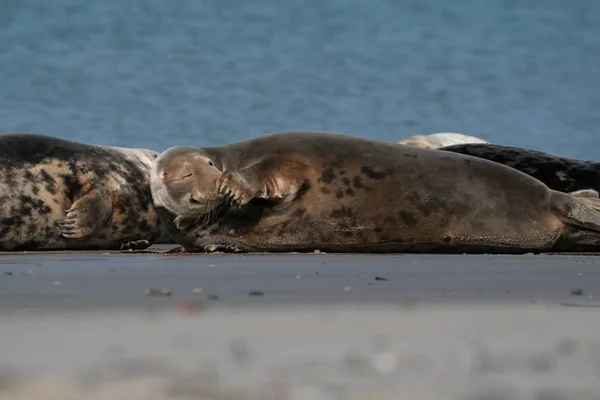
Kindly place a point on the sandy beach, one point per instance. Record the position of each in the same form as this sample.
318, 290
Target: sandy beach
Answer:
105, 325
73, 281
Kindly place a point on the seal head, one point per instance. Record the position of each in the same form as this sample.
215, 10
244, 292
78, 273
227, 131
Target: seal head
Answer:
184, 183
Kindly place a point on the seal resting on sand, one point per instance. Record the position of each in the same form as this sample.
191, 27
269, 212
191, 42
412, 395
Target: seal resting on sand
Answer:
303, 191
437, 140
559, 173
58, 194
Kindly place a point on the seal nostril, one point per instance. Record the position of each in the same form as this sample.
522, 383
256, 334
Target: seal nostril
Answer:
194, 201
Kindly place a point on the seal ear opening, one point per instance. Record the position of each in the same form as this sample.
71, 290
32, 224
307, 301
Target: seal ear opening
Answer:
215, 165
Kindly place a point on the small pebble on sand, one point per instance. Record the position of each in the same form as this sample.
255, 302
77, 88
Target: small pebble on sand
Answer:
213, 297
347, 288
379, 278
197, 290
8, 273
57, 283
256, 293
158, 292
576, 292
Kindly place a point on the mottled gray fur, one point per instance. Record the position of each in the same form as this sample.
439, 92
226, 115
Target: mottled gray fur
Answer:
57, 194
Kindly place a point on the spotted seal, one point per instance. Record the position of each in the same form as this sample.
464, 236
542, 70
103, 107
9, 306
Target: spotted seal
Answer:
57, 194
437, 140
558, 173
301, 191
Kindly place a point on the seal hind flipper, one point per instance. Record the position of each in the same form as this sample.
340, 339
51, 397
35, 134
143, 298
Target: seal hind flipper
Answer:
87, 214
579, 211
590, 197
269, 178
586, 193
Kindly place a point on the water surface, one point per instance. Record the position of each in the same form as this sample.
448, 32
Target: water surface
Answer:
158, 73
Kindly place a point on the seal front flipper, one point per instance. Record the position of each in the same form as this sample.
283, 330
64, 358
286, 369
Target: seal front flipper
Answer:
223, 248
135, 245
269, 178
87, 214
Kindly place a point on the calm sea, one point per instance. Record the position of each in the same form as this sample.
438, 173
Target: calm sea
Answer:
158, 73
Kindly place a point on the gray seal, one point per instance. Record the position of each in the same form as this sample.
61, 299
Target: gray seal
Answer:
57, 194
437, 140
303, 191
558, 173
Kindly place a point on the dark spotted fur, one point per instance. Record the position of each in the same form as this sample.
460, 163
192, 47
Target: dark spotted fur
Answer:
361, 195
558, 173
41, 177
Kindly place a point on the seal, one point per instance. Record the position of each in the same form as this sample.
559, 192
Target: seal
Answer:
437, 140
57, 194
558, 173
306, 191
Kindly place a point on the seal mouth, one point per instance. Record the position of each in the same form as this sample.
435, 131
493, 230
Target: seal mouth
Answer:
195, 201
202, 215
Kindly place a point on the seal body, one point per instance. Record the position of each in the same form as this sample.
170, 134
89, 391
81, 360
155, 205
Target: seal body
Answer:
57, 194
302, 191
437, 140
558, 173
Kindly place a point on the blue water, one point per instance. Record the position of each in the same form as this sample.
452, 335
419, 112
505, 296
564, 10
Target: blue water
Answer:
158, 73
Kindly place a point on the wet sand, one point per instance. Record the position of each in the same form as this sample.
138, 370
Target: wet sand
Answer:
97, 280
318, 326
